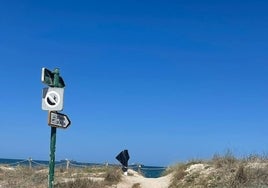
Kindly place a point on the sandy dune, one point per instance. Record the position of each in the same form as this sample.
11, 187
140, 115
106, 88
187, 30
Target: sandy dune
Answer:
135, 178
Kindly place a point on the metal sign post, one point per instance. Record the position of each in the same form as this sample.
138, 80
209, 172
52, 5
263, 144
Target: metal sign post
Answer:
52, 157
52, 101
53, 139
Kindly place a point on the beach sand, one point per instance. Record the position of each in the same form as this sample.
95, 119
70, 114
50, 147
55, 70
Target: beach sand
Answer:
135, 178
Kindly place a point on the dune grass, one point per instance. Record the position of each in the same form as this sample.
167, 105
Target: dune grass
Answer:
90, 177
223, 172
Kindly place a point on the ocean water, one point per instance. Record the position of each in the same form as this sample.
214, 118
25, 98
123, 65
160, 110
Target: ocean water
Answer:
149, 171
146, 171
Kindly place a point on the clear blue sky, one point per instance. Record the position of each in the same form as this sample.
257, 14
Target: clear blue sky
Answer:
167, 80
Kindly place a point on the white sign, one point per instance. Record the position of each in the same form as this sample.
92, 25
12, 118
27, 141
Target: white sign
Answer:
52, 99
58, 120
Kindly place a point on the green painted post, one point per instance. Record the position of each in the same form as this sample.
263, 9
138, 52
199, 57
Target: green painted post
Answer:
53, 139
52, 156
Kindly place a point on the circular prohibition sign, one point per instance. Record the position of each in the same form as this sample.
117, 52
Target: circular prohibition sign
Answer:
52, 99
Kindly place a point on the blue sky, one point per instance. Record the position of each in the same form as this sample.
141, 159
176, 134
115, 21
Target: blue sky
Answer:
168, 80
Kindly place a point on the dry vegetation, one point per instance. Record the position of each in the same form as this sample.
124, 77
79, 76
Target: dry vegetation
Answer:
24, 177
219, 172
222, 172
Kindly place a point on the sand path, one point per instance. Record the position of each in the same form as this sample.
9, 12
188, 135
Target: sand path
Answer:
129, 181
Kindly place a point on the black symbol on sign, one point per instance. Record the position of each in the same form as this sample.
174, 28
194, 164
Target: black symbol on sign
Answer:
52, 100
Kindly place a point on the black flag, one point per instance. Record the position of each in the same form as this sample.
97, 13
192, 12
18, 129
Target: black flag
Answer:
123, 158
